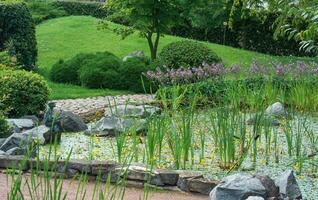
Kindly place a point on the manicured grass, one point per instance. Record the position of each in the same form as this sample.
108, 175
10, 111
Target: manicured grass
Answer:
63, 38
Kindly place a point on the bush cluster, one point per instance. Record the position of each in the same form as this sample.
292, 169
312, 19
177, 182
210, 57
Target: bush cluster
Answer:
43, 10
17, 33
92, 8
186, 54
24, 92
101, 70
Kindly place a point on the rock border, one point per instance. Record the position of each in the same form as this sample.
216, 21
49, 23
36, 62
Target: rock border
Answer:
136, 175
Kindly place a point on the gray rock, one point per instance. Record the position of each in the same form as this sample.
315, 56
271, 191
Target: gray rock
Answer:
269, 184
184, 177
2, 140
21, 124
201, 185
110, 126
17, 151
255, 198
41, 133
16, 140
138, 173
169, 177
139, 54
141, 111
71, 122
34, 118
14, 162
276, 110
238, 187
2, 153
288, 186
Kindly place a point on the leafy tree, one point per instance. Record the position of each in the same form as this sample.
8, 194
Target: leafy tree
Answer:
151, 17
299, 21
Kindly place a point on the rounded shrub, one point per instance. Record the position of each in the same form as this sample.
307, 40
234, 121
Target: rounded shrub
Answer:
68, 71
100, 71
131, 75
186, 54
24, 92
4, 127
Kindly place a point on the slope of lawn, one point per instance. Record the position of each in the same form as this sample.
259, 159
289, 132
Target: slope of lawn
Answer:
63, 38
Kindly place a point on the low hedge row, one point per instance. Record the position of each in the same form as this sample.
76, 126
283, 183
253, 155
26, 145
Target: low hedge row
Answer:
92, 8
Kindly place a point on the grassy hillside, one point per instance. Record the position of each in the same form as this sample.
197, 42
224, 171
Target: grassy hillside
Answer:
63, 38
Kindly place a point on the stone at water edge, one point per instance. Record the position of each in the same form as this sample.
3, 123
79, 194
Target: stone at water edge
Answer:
140, 111
138, 54
41, 133
238, 187
288, 186
255, 198
71, 122
21, 124
16, 140
109, 126
276, 110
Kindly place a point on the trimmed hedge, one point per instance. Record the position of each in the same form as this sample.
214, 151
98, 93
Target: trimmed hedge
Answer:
131, 77
68, 71
94, 9
100, 71
17, 33
43, 10
25, 93
186, 54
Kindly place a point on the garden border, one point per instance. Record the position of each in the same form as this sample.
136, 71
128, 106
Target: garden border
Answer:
136, 175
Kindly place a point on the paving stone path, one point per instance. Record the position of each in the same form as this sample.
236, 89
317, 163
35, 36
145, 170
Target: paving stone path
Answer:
89, 108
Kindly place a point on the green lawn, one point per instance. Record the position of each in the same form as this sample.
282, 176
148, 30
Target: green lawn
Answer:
63, 38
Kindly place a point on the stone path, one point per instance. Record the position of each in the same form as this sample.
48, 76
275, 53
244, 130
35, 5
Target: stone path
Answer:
70, 187
90, 108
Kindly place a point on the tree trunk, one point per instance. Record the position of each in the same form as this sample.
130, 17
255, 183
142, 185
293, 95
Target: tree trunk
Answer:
153, 46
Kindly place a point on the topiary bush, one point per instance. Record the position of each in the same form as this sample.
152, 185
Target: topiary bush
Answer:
4, 127
100, 71
25, 92
186, 54
131, 77
68, 71
17, 33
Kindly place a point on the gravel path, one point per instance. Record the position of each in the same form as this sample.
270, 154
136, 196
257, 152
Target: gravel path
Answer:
130, 194
88, 107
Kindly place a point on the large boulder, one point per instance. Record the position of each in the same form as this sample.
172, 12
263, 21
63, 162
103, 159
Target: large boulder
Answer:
288, 186
138, 54
240, 187
70, 122
16, 140
128, 111
20, 124
276, 110
40, 133
110, 126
